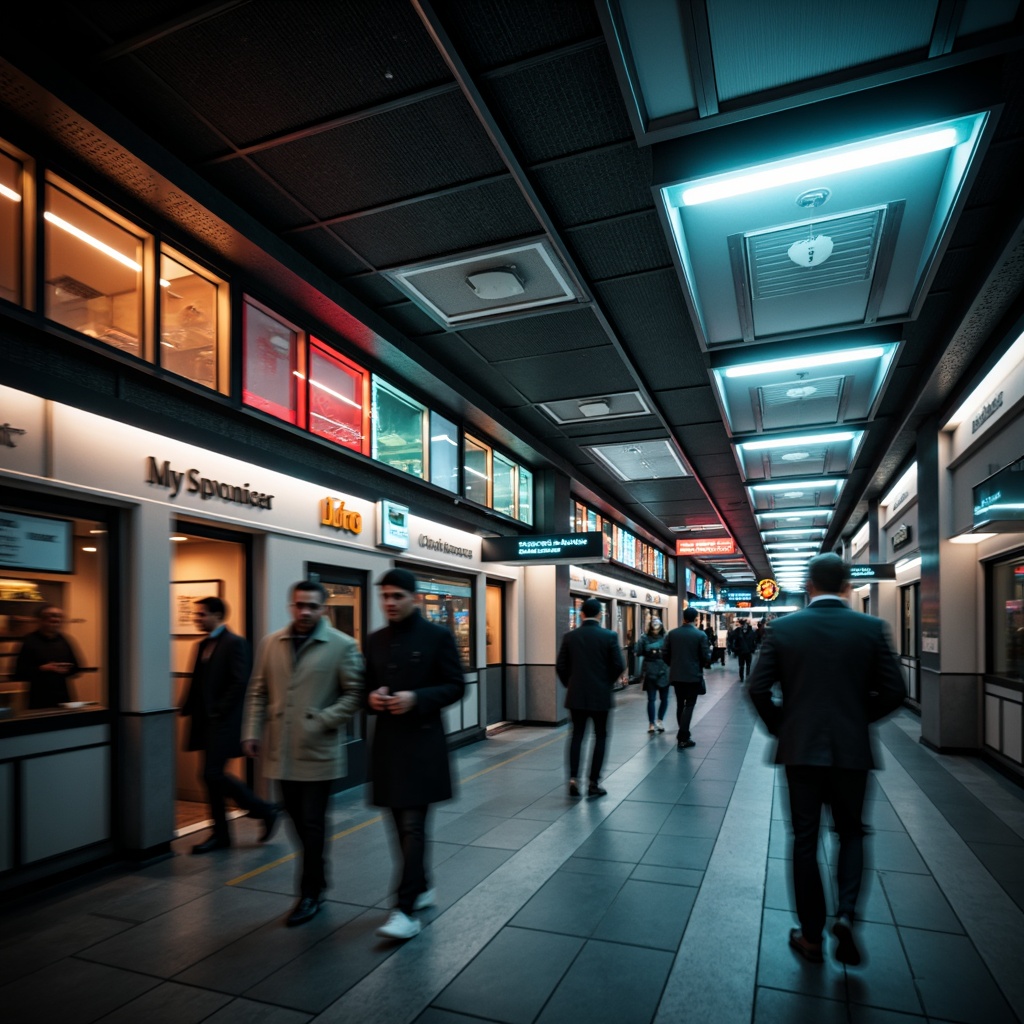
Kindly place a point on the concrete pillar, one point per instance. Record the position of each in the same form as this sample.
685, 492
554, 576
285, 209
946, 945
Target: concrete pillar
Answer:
546, 609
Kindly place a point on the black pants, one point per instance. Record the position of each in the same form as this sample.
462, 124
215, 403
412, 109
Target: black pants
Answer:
686, 701
306, 804
579, 727
810, 787
744, 660
411, 832
220, 785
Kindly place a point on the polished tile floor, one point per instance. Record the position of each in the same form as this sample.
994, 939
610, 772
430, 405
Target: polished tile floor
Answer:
666, 900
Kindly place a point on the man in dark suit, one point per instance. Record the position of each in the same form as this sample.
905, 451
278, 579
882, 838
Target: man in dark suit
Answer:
589, 662
214, 703
687, 654
743, 644
412, 672
837, 672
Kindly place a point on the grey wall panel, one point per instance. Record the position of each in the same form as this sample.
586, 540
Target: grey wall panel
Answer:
6, 817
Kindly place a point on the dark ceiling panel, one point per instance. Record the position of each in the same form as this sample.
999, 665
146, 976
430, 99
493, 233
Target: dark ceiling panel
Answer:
639, 428
705, 439
254, 193
410, 319
625, 245
709, 466
534, 421
370, 162
677, 507
328, 251
567, 331
455, 222
450, 350
647, 491
683, 406
543, 378
374, 289
319, 61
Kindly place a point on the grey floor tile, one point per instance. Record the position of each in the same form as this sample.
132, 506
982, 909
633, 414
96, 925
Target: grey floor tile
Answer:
775, 1007
588, 866
717, 771
778, 885
548, 808
585, 995
637, 816
246, 962
779, 967
700, 822
569, 903
893, 851
459, 874
917, 902
662, 791
467, 827
1003, 861
169, 1003
953, 981
245, 1011
884, 979
607, 844
432, 1015
679, 852
872, 904
648, 914
873, 1015
184, 936
879, 816
671, 876
513, 977
512, 834
713, 793
71, 991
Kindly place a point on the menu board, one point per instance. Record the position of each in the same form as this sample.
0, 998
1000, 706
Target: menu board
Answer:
35, 542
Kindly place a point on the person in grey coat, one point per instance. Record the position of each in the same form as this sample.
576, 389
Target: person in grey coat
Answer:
412, 672
307, 683
589, 662
838, 673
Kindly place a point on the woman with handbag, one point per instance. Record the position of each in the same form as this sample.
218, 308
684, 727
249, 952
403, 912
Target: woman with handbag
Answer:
654, 672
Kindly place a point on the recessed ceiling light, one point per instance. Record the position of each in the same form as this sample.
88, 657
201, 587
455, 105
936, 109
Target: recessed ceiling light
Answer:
849, 355
795, 456
177, 538
805, 392
799, 442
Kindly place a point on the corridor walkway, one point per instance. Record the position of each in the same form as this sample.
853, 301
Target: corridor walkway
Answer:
666, 901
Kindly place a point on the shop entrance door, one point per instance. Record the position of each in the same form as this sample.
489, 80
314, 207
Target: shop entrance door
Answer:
205, 562
497, 705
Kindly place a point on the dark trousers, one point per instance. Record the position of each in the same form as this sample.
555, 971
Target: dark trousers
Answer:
411, 832
810, 787
306, 804
652, 698
744, 660
686, 701
220, 785
579, 727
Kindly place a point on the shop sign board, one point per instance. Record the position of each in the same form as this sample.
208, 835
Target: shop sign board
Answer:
37, 543
901, 537
999, 500
706, 546
869, 573
576, 548
392, 525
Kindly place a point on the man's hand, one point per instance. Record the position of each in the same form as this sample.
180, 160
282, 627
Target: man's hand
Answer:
251, 748
401, 702
380, 699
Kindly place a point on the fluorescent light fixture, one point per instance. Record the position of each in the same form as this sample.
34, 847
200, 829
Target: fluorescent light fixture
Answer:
972, 538
177, 538
793, 545
849, 355
89, 549
94, 242
796, 514
798, 485
828, 162
1013, 355
795, 532
796, 442
908, 563
9, 193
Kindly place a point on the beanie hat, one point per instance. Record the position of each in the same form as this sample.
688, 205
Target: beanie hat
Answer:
401, 578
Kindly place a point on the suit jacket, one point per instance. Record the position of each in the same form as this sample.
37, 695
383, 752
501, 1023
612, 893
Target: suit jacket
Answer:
216, 693
687, 651
838, 673
589, 661
409, 756
298, 704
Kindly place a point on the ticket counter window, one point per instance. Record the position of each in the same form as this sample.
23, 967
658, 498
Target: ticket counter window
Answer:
53, 615
1007, 618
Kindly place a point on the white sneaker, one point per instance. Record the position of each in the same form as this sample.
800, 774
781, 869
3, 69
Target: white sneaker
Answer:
661, 725
399, 926
651, 728
425, 900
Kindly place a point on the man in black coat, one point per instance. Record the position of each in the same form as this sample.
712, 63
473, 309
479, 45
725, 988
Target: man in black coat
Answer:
214, 703
588, 664
412, 672
837, 672
687, 654
47, 660
744, 643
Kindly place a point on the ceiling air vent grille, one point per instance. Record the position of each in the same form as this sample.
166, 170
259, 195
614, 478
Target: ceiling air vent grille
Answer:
773, 274
639, 460
597, 407
800, 403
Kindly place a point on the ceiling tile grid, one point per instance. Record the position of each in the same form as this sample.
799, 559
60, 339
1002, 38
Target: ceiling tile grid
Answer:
592, 371
329, 252
521, 338
620, 246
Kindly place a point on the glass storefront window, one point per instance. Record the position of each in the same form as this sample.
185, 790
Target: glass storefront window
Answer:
337, 398
93, 271
526, 495
444, 453
503, 486
1007, 618
448, 601
53, 624
271, 365
476, 457
11, 190
192, 328
398, 429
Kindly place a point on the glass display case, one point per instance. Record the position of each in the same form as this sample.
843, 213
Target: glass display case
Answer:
337, 398
476, 457
270, 364
189, 321
504, 486
398, 429
444, 453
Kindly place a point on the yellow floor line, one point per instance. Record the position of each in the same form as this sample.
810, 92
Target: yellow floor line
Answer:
380, 817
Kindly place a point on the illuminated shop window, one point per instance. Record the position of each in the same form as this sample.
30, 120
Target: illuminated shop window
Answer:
271, 370
504, 485
11, 189
444, 453
476, 465
193, 321
94, 275
620, 544
526, 495
338, 409
398, 429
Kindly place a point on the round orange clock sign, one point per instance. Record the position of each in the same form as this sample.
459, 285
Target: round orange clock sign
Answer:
767, 590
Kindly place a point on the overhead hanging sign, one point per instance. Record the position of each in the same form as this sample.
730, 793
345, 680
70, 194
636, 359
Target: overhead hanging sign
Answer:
574, 548
767, 590
871, 573
999, 501
706, 546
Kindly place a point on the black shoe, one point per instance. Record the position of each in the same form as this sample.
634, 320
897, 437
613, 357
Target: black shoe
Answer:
305, 910
847, 951
810, 951
269, 821
683, 744
594, 789
574, 790
211, 844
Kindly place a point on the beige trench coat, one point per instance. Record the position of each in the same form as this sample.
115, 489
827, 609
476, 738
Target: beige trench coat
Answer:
297, 706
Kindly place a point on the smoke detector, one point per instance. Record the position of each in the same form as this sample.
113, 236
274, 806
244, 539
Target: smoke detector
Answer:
500, 283
595, 407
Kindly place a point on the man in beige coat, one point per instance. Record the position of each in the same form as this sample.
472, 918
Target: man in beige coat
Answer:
307, 683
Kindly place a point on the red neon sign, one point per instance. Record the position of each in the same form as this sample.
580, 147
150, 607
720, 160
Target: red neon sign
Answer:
708, 546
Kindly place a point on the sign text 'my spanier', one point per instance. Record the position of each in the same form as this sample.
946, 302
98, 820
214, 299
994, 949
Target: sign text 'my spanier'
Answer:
189, 481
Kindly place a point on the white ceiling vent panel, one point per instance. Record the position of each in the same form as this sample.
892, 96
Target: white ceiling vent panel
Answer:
597, 407
800, 403
640, 460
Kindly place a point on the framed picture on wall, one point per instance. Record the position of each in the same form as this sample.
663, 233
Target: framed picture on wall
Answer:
184, 594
